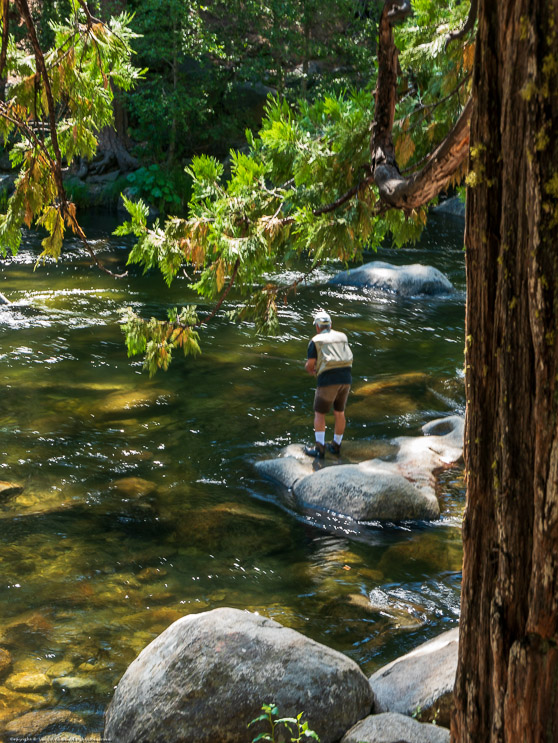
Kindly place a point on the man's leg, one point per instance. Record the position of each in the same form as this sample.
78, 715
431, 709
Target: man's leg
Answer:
319, 423
340, 422
321, 402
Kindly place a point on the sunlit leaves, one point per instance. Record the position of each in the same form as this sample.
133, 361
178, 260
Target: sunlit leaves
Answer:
82, 65
157, 339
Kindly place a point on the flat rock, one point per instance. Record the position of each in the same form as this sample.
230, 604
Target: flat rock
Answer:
391, 727
41, 722
206, 676
409, 280
28, 682
421, 680
366, 493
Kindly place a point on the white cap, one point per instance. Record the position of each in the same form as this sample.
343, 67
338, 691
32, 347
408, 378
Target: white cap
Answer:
322, 318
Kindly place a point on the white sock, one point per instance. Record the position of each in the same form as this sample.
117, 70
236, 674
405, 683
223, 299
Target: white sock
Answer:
320, 437
338, 438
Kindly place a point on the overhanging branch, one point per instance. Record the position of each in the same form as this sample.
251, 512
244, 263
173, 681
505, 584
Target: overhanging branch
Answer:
419, 188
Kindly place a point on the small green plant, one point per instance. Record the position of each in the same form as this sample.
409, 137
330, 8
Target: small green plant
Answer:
155, 186
297, 729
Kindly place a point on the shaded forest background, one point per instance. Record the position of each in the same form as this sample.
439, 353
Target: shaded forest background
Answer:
208, 72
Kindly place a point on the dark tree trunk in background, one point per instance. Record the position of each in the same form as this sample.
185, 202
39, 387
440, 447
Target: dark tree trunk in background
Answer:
114, 141
507, 680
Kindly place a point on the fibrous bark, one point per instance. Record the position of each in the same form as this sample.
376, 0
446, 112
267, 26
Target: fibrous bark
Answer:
507, 681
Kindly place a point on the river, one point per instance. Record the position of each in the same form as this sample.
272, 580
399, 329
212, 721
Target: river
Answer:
140, 500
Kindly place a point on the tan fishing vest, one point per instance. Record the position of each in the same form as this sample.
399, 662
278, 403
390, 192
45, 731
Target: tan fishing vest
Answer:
333, 351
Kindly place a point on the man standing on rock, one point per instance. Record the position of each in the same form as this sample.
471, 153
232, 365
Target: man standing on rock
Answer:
330, 359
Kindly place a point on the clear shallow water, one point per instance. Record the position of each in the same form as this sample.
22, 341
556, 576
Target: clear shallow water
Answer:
96, 564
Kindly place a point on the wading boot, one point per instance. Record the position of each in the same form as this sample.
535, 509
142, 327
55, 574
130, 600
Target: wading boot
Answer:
334, 448
318, 450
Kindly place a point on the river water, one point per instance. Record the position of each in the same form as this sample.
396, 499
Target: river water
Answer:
140, 500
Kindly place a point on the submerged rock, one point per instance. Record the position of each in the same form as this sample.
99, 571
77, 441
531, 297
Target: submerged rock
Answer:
408, 281
41, 722
206, 677
8, 489
28, 682
133, 487
391, 727
5, 661
420, 682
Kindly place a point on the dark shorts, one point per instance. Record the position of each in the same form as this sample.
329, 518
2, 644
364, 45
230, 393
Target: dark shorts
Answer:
335, 394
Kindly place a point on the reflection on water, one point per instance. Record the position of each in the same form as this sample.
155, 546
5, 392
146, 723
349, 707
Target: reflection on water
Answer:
140, 503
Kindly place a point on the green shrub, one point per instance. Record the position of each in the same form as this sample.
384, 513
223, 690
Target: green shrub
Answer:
155, 186
297, 729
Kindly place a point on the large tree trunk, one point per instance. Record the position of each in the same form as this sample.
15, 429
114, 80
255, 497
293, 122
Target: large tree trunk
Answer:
507, 680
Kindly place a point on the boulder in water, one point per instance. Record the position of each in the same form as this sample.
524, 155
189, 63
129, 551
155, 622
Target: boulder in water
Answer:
366, 493
406, 281
421, 681
400, 489
391, 727
285, 470
207, 675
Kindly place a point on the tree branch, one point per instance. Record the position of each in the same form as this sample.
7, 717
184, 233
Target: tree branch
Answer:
468, 25
223, 295
67, 213
395, 190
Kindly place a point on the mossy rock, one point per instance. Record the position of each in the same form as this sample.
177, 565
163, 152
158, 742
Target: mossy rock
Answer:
234, 530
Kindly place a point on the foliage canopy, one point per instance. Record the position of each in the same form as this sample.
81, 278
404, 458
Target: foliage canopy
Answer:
305, 186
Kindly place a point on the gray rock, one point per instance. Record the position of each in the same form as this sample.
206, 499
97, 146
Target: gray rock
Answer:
391, 727
285, 470
206, 676
366, 492
453, 206
421, 682
400, 489
406, 281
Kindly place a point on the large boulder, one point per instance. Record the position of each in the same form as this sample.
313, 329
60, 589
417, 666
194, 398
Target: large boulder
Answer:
285, 470
400, 489
366, 492
407, 281
207, 675
421, 682
453, 206
391, 727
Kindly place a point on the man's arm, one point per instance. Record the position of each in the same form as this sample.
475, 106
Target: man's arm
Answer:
312, 354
